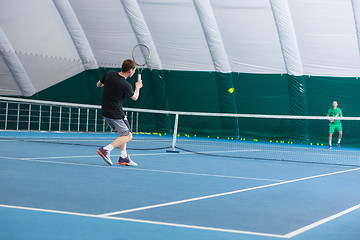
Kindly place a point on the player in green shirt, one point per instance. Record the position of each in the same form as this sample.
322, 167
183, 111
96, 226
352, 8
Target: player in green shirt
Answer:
335, 123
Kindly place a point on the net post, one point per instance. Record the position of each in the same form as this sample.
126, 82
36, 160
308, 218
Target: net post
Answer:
29, 117
173, 147
78, 127
6, 115
87, 120
69, 127
60, 116
137, 121
132, 121
40, 106
18, 117
95, 119
50, 116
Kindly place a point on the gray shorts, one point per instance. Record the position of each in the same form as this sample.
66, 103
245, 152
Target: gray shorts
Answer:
119, 125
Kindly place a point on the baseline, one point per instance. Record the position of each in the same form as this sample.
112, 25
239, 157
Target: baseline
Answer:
144, 221
225, 193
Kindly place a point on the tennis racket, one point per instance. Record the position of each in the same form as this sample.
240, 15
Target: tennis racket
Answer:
336, 115
141, 55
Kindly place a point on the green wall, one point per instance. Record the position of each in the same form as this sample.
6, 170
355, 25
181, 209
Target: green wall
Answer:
275, 94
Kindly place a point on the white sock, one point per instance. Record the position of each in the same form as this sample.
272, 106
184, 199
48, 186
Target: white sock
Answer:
123, 154
329, 143
339, 140
109, 147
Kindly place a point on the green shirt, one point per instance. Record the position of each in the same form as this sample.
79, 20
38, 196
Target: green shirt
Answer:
332, 113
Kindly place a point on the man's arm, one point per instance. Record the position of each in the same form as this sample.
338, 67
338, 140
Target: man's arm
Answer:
138, 85
329, 119
99, 84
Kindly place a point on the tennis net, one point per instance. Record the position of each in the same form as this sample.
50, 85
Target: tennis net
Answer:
245, 136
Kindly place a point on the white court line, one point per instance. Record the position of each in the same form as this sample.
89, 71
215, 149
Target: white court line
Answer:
41, 140
136, 169
326, 152
232, 151
135, 154
289, 235
309, 150
145, 221
224, 194
93, 156
320, 222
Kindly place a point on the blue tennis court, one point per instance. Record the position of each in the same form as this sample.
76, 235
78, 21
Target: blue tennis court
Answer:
66, 191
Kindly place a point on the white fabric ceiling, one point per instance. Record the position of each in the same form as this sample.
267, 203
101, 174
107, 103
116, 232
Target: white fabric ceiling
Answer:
43, 42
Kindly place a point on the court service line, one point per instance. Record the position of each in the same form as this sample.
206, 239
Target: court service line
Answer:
135, 154
96, 156
141, 169
144, 221
224, 194
320, 222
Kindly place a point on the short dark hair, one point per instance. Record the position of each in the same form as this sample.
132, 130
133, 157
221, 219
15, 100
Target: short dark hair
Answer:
127, 65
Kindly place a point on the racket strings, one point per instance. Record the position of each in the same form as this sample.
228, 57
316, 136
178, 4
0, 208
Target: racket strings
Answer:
141, 55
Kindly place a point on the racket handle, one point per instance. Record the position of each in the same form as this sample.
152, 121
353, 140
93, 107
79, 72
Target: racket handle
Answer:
139, 77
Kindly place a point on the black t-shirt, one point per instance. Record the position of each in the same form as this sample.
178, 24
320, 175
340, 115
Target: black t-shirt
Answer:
115, 89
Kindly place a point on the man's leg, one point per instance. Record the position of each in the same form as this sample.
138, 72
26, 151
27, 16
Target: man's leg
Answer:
330, 140
340, 135
124, 157
123, 149
121, 140
121, 126
123, 152
339, 140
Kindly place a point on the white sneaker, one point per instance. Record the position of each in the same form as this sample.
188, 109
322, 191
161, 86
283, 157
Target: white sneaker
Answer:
105, 155
127, 161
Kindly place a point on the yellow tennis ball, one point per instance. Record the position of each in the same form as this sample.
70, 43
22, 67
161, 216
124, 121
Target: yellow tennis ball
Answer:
231, 90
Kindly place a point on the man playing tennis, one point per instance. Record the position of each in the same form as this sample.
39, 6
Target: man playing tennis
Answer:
334, 123
115, 89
